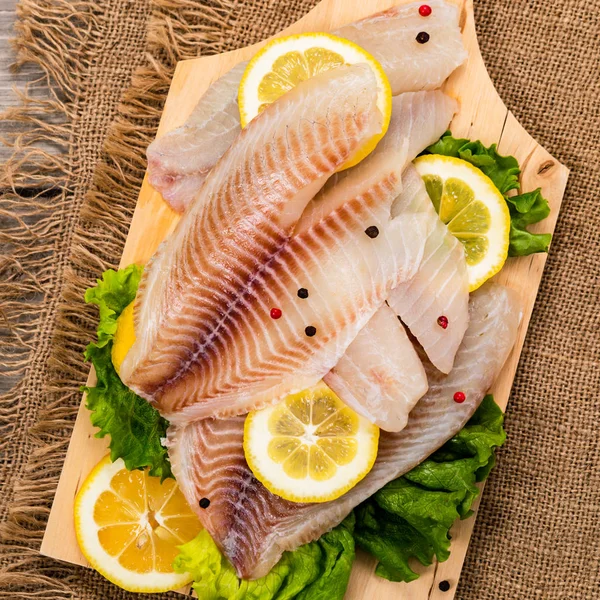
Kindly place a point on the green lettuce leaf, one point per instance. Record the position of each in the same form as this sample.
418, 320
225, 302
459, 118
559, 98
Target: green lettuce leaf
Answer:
134, 426
112, 294
411, 516
316, 571
525, 209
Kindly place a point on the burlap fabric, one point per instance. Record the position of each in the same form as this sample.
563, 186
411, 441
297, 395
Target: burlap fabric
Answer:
64, 215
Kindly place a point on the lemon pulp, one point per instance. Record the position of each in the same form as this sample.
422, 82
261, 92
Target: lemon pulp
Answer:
310, 447
474, 210
129, 524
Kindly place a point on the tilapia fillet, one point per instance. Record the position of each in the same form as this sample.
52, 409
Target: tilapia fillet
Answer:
254, 527
441, 285
380, 375
250, 359
391, 37
197, 301
179, 161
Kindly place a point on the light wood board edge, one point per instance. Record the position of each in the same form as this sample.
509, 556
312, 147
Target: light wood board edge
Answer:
482, 116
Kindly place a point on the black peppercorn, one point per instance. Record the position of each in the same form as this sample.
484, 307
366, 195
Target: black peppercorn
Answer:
372, 231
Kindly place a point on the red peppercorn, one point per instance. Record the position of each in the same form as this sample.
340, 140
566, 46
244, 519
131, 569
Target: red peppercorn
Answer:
424, 10
442, 321
276, 313
459, 397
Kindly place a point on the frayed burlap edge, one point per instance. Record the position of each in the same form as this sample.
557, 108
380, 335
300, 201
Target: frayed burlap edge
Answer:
28, 264
34, 207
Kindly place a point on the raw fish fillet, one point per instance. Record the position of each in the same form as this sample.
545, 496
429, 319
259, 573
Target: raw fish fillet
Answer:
254, 527
232, 357
441, 285
179, 161
418, 120
380, 375
202, 324
390, 36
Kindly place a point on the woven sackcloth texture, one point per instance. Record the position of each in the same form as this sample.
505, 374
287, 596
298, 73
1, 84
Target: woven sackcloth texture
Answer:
64, 215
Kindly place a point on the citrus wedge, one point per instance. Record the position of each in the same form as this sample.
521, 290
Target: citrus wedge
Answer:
285, 62
129, 525
311, 447
474, 210
124, 336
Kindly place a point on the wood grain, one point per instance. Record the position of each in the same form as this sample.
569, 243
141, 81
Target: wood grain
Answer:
9, 79
482, 115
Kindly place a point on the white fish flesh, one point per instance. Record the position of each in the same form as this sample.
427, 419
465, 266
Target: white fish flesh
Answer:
418, 120
380, 375
202, 328
179, 161
441, 285
254, 527
391, 37
217, 365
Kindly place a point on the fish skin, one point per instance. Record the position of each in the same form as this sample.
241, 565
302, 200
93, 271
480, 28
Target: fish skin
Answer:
440, 286
253, 527
412, 66
214, 123
195, 288
380, 376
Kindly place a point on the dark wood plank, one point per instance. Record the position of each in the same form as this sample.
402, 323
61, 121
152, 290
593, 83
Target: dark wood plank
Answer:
8, 79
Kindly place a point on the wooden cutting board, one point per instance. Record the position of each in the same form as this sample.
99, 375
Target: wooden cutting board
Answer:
483, 116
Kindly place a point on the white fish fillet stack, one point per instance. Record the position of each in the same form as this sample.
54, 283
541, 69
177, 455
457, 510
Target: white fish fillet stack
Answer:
200, 303
235, 372
254, 527
179, 161
207, 350
441, 285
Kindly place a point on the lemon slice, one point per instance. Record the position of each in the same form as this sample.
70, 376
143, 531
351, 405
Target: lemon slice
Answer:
472, 208
311, 447
285, 62
124, 336
129, 525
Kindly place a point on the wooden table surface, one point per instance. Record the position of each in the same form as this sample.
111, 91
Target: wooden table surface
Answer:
9, 80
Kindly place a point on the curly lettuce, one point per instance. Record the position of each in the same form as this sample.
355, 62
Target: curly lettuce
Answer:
134, 426
316, 571
410, 518
525, 209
